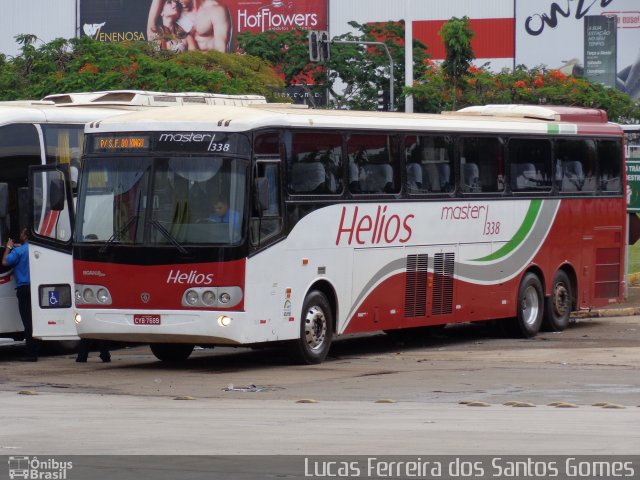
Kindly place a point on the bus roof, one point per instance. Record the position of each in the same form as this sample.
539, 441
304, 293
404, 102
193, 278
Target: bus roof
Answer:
203, 118
556, 113
147, 98
88, 106
41, 112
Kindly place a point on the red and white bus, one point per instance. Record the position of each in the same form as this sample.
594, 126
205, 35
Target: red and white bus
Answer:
343, 222
50, 132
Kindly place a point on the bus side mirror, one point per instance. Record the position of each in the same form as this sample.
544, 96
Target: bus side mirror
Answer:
262, 194
56, 194
4, 200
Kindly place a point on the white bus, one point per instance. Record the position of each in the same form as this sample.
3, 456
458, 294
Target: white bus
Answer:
258, 224
50, 131
632, 141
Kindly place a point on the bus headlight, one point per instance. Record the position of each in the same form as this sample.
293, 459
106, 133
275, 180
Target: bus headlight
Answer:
212, 297
92, 295
78, 318
191, 297
103, 296
224, 321
88, 296
209, 298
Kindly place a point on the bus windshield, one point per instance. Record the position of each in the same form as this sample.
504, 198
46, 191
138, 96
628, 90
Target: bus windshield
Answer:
181, 200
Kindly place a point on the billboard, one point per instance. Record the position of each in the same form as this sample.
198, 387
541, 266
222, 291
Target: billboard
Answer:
600, 49
552, 33
181, 25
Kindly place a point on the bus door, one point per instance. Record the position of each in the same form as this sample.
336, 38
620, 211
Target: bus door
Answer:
10, 324
50, 262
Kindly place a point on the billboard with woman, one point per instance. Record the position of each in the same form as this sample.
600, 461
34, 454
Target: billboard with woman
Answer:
182, 25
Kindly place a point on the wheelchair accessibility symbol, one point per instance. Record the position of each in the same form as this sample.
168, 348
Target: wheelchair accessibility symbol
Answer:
54, 298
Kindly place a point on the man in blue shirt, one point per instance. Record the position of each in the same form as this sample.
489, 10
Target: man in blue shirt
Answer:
17, 256
223, 214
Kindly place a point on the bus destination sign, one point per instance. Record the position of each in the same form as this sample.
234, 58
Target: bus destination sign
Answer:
172, 142
120, 143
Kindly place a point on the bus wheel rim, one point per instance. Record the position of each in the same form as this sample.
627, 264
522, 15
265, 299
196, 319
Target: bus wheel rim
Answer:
561, 299
315, 327
529, 305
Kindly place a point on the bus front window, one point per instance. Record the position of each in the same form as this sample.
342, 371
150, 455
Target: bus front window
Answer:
178, 200
198, 200
113, 206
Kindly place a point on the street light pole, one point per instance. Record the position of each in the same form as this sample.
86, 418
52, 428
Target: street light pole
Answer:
408, 54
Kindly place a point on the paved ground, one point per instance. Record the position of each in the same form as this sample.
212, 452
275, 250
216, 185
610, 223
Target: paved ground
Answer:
374, 395
575, 392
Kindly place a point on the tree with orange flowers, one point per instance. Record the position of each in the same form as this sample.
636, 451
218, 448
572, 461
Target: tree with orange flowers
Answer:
456, 83
83, 64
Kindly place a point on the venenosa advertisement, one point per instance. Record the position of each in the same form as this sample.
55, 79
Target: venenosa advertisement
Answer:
185, 25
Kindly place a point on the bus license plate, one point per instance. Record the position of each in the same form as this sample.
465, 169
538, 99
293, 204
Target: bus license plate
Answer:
146, 320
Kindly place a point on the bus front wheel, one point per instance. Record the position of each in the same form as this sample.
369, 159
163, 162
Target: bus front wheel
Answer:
530, 306
559, 304
316, 330
171, 352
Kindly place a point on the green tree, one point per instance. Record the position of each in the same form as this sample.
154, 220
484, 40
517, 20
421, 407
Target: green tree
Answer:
83, 64
456, 35
360, 70
537, 86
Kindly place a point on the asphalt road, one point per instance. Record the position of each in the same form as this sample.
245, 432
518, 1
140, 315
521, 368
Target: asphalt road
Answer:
575, 392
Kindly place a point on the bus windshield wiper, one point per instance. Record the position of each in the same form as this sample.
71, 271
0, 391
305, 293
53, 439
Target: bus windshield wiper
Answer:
168, 236
118, 234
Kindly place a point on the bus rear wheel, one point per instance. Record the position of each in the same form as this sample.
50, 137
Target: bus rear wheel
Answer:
559, 304
316, 330
530, 306
171, 352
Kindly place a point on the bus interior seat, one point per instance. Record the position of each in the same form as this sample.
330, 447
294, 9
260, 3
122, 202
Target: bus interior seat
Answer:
573, 176
444, 175
308, 177
414, 178
470, 178
590, 183
376, 178
610, 184
438, 175
523, 176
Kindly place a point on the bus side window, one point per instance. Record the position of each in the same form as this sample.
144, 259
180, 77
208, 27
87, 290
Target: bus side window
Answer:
575, 165
530, 164
266, 218
436, 163
19, 148
481, 165
315, 164
267, 223
373, 158
609, 156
